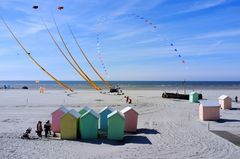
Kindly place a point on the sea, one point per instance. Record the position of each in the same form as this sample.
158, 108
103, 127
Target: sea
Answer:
126, 85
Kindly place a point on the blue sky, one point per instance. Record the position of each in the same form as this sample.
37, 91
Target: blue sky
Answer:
206, 34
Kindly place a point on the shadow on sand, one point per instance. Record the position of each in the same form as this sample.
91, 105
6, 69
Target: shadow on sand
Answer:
147, 131
235, 109
126, 140
227, 120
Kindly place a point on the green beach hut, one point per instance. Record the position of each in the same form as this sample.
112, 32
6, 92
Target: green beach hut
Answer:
69, 125
89, 125
116, 125
84, 110
193, 97
103, 118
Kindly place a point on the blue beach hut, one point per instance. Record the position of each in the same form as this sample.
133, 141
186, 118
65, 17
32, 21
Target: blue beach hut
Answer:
103, 117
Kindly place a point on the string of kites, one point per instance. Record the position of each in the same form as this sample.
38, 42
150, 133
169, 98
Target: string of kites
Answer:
154, 27
100, 55
99, 52
59, 7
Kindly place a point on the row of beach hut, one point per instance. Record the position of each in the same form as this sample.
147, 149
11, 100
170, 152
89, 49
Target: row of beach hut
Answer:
209, 110
87, 123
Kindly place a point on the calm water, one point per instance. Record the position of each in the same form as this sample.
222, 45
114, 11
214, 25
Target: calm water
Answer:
130, 85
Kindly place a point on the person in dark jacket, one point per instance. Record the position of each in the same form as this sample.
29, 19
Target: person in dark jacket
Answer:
127, 98
130, 101
39, 129
47, 128
236, 99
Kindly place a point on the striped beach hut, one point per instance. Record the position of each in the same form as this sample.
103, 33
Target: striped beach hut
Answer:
84, 110
116, 124
103, 118
56, 115
69, 125
89, 125
131, 118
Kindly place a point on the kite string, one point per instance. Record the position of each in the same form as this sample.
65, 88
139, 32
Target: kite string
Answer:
70, 54
55, 79
99, 49
77, 43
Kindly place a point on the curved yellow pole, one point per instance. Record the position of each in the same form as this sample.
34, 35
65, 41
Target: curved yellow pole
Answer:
70, 54
29, 55
75, 39
62, 52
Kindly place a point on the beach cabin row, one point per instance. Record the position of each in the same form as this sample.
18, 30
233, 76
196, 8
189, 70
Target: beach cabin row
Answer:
211, 110
84, 124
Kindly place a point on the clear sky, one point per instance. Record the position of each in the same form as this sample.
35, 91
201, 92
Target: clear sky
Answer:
206, 33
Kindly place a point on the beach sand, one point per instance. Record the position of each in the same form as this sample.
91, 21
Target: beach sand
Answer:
168, 128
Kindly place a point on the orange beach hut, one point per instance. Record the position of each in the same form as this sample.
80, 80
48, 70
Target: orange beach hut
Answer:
131, 118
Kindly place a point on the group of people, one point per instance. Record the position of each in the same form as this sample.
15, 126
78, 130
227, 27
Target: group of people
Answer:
128, 100
39, 130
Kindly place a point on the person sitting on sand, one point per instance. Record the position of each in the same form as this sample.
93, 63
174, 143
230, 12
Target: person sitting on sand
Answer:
47, 128
39, 129
26, 134
236, 99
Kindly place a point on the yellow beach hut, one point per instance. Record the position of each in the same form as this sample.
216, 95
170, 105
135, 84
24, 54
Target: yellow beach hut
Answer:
69, 125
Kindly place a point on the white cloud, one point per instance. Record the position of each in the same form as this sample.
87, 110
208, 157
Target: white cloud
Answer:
136, 5
203, 5
220, 34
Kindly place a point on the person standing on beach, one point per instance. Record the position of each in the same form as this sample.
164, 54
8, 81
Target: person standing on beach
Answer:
47, 128
236, 99
127, 98
130, 101
39, 129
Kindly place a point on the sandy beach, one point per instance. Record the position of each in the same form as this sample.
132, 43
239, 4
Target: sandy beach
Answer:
167, 128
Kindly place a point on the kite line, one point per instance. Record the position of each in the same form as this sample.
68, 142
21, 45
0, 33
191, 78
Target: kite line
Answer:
30, 56
77, 43
93, 84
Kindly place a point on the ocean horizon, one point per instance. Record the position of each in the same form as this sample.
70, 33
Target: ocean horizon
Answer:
126, 85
